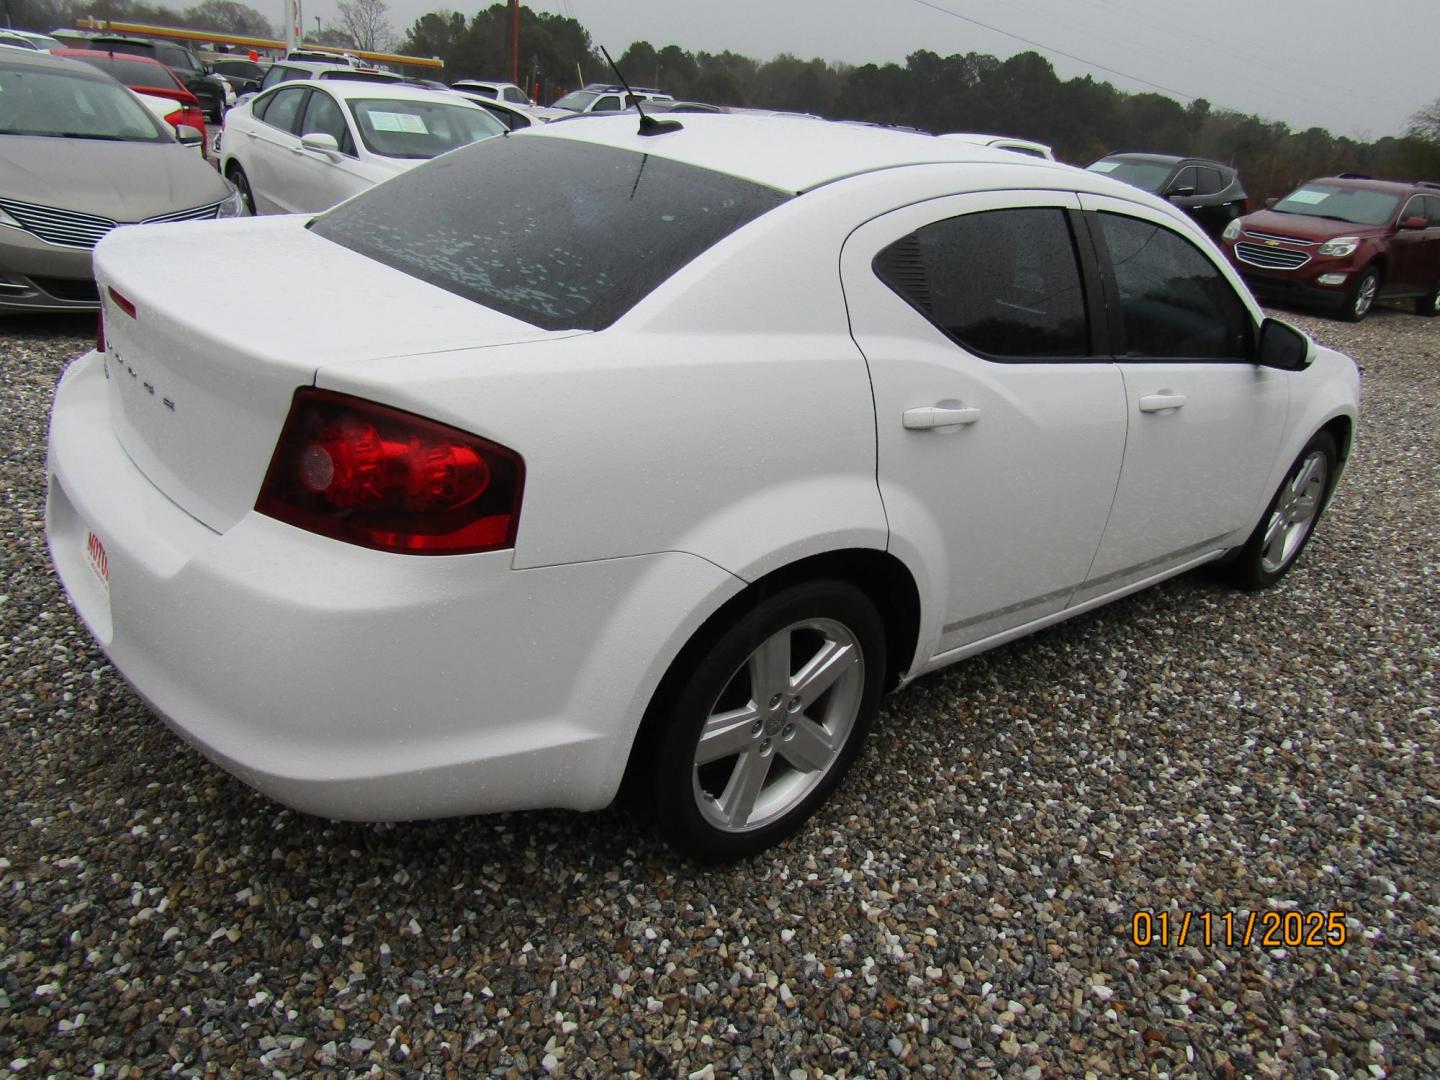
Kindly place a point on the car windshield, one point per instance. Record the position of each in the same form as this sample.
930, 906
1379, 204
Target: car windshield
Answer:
1147, 175
132, 72
576, 100
73, 107
1359, 206
410, 128
559, 234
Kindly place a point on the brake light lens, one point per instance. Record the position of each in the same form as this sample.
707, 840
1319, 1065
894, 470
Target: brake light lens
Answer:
367, 474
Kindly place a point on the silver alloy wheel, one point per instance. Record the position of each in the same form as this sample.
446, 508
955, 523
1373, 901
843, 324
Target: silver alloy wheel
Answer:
1366, 296
1295, 512
779, 725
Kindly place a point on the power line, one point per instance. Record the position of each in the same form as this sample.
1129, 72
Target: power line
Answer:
1052, 49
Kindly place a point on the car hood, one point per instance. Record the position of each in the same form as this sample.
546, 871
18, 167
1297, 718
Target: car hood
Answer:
1305, 227
123, 181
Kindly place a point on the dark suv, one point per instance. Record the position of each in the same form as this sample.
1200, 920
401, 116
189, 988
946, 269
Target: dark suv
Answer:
208, 89
1344, 242
1206, 190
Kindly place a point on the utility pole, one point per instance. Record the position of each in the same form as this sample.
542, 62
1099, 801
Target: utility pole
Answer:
515, 42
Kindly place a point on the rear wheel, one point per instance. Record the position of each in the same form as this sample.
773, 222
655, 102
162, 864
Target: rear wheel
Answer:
1289, 521
769, 720
236, 175
1362, 294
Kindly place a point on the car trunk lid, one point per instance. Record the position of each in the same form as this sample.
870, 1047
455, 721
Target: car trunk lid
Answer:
200, 383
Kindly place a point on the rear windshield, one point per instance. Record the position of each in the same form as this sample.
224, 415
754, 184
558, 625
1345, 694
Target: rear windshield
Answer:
557, 233
1358, 206
132, 72
1146, 175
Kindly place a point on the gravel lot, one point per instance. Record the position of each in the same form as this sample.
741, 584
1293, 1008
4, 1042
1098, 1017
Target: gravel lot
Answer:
963, 907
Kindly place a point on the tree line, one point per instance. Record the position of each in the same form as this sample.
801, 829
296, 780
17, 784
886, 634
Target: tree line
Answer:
1082, 118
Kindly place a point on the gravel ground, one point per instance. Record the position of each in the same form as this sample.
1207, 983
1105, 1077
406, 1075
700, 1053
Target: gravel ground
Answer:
963, 906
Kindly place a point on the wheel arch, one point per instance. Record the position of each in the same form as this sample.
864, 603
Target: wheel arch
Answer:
884, 579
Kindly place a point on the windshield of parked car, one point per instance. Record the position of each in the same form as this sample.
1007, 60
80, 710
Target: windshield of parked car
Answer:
409, 128
130, 71
559, 234
576, 100
69, 106
1147, 175
1360, 206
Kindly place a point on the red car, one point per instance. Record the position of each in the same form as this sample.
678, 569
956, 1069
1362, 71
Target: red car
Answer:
1343, 242
146, 76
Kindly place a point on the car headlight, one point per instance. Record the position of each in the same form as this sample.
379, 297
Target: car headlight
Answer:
1341, 245
1232, 230
233, 206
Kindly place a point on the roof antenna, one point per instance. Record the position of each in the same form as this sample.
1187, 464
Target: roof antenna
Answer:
648, 124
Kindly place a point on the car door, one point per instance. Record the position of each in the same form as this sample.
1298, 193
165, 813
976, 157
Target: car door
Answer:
269, 158
1204, 420
1413, 252
317, 180
999, 432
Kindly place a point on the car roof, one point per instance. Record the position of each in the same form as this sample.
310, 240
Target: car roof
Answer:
789, 153
351, 89
1397, 187
129, 57
49, 61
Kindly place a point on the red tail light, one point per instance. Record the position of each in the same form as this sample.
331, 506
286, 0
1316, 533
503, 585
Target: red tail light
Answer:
381, 478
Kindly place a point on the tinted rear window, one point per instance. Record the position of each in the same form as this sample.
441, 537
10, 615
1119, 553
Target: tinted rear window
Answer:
557, 233
133, 72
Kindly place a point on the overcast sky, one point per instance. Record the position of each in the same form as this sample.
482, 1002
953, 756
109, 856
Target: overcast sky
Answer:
1358, 69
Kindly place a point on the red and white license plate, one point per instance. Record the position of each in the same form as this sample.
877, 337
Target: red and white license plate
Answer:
97, 560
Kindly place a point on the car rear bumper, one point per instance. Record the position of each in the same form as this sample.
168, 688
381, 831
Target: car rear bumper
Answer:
353, 683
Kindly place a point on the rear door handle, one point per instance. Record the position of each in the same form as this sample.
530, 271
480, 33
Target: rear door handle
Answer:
928, 417
1161, 402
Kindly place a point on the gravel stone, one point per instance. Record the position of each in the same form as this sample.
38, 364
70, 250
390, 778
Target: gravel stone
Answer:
962, 907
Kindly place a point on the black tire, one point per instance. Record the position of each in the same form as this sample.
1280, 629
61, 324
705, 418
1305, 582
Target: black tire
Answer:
1361, 297
835, 617
1429, 304
1265, 557
236, 175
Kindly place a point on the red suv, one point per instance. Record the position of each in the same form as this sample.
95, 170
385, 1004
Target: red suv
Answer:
1343, 242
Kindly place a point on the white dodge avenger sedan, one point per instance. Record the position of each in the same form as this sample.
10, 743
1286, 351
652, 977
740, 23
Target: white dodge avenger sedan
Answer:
591, 459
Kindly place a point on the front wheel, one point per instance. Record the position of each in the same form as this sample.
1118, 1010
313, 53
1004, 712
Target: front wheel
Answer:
1289, 521
769, 720
236, 175
1362, 294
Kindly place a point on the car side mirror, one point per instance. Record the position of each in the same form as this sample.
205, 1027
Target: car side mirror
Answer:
1283, 347
189, 136
321, 143
1415, 223
1184, 191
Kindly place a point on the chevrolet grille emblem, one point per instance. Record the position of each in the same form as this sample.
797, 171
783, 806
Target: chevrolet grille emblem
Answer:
1272, 243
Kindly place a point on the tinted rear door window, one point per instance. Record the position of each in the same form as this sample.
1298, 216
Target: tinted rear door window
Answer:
557, 233
284, 108
1004, 283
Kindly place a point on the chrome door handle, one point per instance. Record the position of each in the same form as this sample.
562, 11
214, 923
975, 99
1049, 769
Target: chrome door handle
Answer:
1161, 402
928, 417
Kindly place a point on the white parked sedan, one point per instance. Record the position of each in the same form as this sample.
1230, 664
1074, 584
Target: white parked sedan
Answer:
587, 459
304, 146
